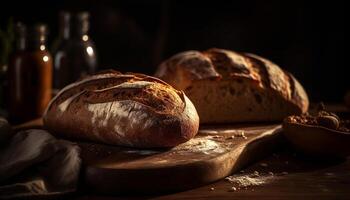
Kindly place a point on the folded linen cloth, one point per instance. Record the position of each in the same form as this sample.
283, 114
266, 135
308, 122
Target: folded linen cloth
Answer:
33, 162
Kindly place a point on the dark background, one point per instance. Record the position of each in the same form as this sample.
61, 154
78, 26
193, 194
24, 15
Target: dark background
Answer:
303, 37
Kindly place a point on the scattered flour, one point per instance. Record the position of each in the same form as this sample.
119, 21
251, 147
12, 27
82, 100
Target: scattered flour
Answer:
248, 180
234, 132
200, 145
196, 145
121, 112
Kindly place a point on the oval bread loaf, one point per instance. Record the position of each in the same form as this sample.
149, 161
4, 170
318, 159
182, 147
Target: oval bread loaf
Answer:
226, 86
123, 109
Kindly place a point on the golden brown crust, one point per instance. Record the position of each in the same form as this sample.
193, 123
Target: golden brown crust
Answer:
231, 66
183, 68
124, 109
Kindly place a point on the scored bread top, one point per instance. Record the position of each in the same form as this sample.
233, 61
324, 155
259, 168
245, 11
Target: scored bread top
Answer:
114, 86
184, 68
123, 109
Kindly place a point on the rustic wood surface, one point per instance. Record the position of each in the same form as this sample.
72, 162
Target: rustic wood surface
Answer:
213, 154
294, 177
216, 152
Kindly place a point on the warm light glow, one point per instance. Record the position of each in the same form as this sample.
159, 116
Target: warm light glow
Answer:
45, 58
90, 51
42, 47
85, 37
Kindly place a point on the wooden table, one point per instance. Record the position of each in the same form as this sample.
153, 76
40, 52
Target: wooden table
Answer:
294, 177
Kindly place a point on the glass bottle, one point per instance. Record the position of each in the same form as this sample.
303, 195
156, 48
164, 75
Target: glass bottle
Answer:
75, 54
29, 74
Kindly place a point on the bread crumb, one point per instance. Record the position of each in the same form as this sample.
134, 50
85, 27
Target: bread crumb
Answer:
240, 133
232, 189
263, 164
256, 173
212, 189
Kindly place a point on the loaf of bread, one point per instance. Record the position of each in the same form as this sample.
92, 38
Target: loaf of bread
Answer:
123, 109
227, 86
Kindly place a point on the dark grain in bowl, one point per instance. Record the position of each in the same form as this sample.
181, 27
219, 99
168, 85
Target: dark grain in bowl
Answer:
317, 140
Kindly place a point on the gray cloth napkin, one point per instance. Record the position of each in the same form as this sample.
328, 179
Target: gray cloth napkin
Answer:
33, 163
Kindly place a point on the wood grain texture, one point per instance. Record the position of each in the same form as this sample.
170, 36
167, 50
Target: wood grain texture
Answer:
305, 179
115, 170
214, 154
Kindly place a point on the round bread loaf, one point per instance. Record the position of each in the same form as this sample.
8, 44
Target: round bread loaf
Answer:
227, 86
123, 109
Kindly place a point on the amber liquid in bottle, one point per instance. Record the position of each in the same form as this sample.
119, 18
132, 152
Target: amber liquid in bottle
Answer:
29, 75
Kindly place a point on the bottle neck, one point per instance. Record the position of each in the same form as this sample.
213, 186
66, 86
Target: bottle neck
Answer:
74, 26
31, 38
31, 44
73, 33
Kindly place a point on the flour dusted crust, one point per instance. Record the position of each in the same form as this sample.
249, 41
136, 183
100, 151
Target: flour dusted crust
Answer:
226, 86
123, 109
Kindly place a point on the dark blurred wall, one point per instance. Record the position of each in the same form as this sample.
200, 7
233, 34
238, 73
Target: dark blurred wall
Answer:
304, 38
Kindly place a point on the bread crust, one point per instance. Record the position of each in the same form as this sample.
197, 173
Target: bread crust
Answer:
222, 66
123, 109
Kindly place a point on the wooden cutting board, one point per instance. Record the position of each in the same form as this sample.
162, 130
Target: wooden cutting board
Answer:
216, 152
